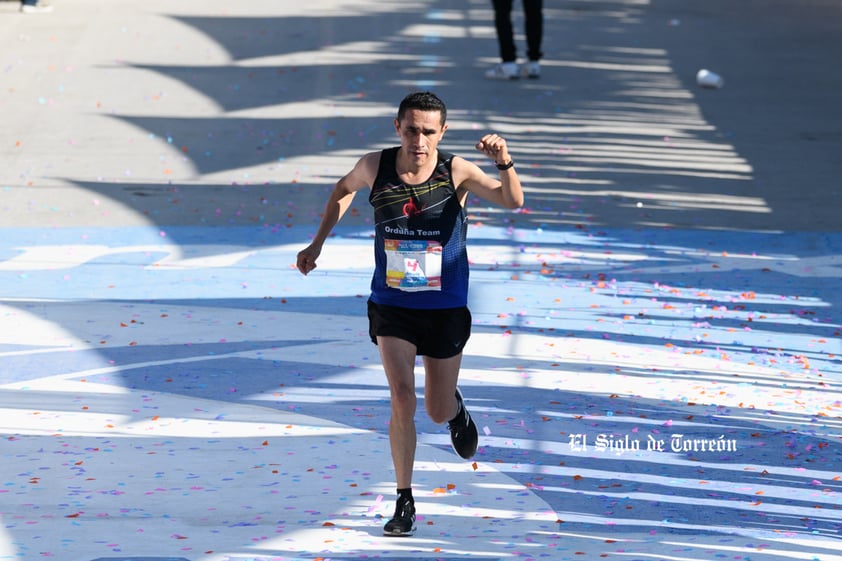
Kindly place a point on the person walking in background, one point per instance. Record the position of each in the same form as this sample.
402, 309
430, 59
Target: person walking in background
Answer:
534, 23
419, 289
35, 7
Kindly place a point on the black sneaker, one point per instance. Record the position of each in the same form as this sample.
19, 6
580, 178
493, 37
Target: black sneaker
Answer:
463, 431
402, 523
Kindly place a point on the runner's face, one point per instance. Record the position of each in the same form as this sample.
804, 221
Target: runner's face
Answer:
420, 133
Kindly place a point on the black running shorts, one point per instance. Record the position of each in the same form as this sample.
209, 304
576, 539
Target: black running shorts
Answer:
435, 333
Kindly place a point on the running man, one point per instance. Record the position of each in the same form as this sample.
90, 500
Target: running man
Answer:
419, 290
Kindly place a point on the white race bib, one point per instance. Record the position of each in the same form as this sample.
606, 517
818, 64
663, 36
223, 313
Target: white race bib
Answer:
413, 265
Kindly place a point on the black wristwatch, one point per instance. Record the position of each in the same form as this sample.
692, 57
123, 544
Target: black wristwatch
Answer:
507, 165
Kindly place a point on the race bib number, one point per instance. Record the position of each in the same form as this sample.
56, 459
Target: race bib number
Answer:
413, 265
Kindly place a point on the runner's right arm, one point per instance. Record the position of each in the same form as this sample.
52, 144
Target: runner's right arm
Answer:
340, 199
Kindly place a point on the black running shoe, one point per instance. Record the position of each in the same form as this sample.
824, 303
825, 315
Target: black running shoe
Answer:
402, 523
463, 431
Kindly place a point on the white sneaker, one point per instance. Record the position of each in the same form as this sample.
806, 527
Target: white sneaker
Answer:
533, 70
503, 71
36, 8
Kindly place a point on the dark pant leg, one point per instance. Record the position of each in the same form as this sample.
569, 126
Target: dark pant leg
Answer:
505, 33
533, 11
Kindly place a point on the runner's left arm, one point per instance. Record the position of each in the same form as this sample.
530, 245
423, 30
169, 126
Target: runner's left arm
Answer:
505, 190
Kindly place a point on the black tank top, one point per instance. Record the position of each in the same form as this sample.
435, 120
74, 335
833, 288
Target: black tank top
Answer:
420, 249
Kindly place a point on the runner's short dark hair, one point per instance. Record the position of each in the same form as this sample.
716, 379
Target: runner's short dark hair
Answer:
422, 101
